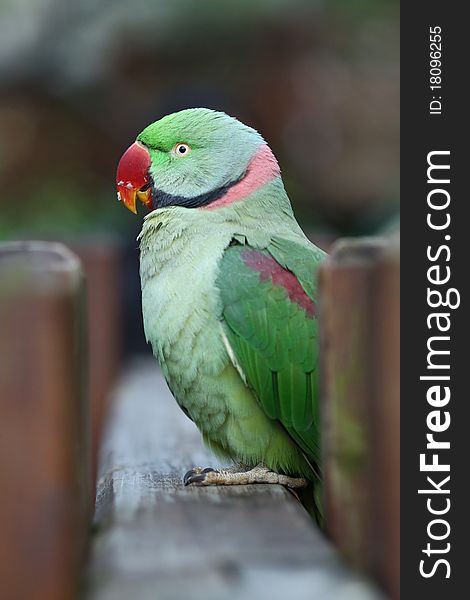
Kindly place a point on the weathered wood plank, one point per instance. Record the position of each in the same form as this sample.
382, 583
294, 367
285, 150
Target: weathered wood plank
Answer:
359, 286
157, 539
45, 499
101, 261
385, 416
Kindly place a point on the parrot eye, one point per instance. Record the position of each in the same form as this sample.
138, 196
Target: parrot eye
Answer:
181, 149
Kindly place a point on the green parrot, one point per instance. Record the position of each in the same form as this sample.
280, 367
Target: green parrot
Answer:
229, 294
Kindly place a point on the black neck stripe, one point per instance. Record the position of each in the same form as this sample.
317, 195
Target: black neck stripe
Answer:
162, 199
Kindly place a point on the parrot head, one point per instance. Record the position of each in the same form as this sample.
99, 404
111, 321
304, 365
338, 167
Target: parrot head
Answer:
195, 158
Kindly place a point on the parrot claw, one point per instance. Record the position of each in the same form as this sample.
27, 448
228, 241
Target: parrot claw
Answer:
196, 475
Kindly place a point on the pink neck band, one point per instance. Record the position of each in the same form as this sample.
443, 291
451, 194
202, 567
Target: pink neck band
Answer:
262, 168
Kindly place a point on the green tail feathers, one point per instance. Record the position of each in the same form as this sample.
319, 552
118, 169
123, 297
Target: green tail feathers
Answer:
312, 500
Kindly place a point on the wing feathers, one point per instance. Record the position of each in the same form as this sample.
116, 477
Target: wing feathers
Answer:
270, 327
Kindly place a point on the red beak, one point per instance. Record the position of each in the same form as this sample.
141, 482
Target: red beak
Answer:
133, 179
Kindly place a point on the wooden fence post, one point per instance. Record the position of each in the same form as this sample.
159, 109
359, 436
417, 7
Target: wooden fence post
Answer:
385, 418
45, 500
359, 286
101, 263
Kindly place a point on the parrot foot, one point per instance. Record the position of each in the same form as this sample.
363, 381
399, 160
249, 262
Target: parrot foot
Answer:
258, 474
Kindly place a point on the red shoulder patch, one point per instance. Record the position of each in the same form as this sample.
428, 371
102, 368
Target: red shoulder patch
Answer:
268, 268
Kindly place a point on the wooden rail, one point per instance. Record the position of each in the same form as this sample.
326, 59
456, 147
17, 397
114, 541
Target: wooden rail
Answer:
158, 539
45, 500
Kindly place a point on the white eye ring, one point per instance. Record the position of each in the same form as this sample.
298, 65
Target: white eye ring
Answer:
180, 149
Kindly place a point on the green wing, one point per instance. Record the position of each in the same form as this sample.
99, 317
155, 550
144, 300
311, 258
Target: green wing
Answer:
269, 318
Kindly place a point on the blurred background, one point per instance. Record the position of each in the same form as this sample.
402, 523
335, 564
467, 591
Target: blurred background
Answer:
80, 79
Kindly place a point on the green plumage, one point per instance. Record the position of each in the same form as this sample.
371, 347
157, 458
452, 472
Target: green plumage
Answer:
237, 341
